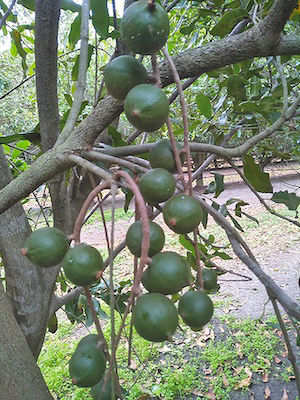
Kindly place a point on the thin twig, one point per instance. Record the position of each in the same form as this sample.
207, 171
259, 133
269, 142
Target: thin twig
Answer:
80, 218
184, 117
8, 11
113, 364
102, 341
262, 201
291, 354
283, 82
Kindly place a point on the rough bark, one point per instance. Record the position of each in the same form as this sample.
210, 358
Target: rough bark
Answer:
20, 377
27, 287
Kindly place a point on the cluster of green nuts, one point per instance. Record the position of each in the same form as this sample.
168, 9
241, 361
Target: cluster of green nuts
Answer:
145, 29
155, 316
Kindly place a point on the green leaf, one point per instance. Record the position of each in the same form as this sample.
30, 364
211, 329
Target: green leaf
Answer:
52, 323
291, 200
116, 137
228, 22
236, 88
235, 223
74, 34
250, 217
100, 17
70, 5
29, 4
204, 218
75, 69
204, 105
69, 99
33, 137
186, 244
128, 197
16, 38
219, 179
217, 186
259, 180
3, 5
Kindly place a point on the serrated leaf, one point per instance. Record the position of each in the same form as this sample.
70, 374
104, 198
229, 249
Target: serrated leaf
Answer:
100, 17
291, 200
75, 69
204, 105
259, 180
74, 34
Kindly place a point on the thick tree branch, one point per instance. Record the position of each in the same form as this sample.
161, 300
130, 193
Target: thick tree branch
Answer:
81, 81
46, 30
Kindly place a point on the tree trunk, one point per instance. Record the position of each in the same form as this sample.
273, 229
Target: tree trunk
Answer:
20, 377
29, 289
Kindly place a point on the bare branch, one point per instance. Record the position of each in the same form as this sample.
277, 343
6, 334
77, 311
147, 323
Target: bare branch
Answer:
6, 14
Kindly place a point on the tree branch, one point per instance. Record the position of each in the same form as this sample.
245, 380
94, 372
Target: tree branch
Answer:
81, 81
3, 19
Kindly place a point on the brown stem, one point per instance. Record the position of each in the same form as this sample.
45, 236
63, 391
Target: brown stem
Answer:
102, 340
84, 209
184, 117
291, 354
176, 155
155, 71
100, 200
135, 291
198, 263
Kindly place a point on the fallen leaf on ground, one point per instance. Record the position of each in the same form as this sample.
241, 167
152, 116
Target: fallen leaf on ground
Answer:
239, 351
291, 377
164, 349
197, 392
225, 381
279, 333
238, 370
267, 392
246, 381
265, 377
132, 365
277, 360
211, 394
285, 395
221, 329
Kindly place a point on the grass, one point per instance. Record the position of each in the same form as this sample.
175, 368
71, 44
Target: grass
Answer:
188, 365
